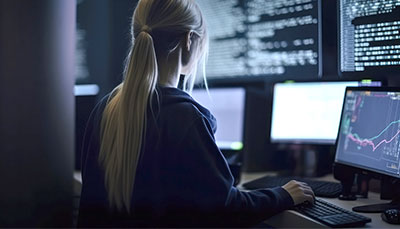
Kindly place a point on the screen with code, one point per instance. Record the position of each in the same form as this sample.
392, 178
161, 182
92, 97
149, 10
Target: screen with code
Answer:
369, 35
369, 136
262, 38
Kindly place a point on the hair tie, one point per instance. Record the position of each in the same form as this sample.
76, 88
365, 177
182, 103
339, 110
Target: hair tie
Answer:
146, 29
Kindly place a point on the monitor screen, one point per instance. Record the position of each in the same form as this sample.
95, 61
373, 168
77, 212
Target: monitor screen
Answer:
369, 136
227, 105
82, 56
369, 35
86, 90
309, 112
261, 38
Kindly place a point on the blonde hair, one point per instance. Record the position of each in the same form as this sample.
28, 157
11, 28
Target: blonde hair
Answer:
158, 27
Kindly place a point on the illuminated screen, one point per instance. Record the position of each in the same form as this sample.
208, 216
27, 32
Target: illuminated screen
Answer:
309, 112
227, 106
369, 35
369, 136
261, 38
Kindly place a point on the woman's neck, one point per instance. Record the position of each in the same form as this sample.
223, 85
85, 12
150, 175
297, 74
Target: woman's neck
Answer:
169, 69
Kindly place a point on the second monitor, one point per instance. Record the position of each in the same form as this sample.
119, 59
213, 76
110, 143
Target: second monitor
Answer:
309, 112
227, 105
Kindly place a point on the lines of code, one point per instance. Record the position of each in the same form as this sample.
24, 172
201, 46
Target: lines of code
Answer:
370, 34
226, 26
262, 38
81, 65
283, 37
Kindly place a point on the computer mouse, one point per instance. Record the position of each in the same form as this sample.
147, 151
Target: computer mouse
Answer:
391, 216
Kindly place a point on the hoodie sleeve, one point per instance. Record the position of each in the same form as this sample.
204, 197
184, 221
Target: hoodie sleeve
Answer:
210, 183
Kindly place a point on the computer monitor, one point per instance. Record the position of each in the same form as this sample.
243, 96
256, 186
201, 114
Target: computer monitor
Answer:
309, 112
256, 39
369, 134
369, 138
369, 36
227, 105
86, 90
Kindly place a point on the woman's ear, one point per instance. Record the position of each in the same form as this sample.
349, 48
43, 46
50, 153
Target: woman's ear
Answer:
188, 40
186, 47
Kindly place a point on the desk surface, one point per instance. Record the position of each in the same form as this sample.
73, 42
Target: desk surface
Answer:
291, 218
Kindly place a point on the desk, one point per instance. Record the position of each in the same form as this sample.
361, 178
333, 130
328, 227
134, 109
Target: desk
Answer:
290, 218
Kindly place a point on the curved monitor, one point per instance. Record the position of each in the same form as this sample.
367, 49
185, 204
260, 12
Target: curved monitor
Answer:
369, 135
309, 112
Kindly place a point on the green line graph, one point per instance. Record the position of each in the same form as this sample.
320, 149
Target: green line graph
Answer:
377, 136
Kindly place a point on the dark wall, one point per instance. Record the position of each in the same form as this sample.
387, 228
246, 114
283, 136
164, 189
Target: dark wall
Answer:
36, 112
121, 13
257, 152
93, 22
105, 25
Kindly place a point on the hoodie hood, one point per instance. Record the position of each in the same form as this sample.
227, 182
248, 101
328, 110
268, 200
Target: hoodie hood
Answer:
171, 95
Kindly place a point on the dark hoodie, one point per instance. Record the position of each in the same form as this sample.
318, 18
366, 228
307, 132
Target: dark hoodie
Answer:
182, 177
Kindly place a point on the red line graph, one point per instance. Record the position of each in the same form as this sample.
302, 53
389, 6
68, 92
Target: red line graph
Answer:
366, 142
358, 102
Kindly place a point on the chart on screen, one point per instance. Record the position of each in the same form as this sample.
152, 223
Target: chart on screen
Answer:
371, 129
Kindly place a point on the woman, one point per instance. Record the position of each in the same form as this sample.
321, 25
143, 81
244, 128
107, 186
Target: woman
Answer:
149, 155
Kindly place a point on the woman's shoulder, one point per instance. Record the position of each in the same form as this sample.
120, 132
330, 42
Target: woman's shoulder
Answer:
181, 106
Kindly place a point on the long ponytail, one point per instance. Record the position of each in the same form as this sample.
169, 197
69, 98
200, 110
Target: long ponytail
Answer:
121, 144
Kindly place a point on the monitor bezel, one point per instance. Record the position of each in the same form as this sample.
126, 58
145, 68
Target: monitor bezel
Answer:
361, 169
310, 141
375, 73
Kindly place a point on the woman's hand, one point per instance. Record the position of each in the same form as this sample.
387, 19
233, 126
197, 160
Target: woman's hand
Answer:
300, 192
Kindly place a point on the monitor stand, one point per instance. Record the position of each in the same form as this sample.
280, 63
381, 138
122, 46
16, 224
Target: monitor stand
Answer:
377, 208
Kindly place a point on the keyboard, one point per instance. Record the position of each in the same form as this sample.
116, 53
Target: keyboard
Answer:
332, 215
320, 188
